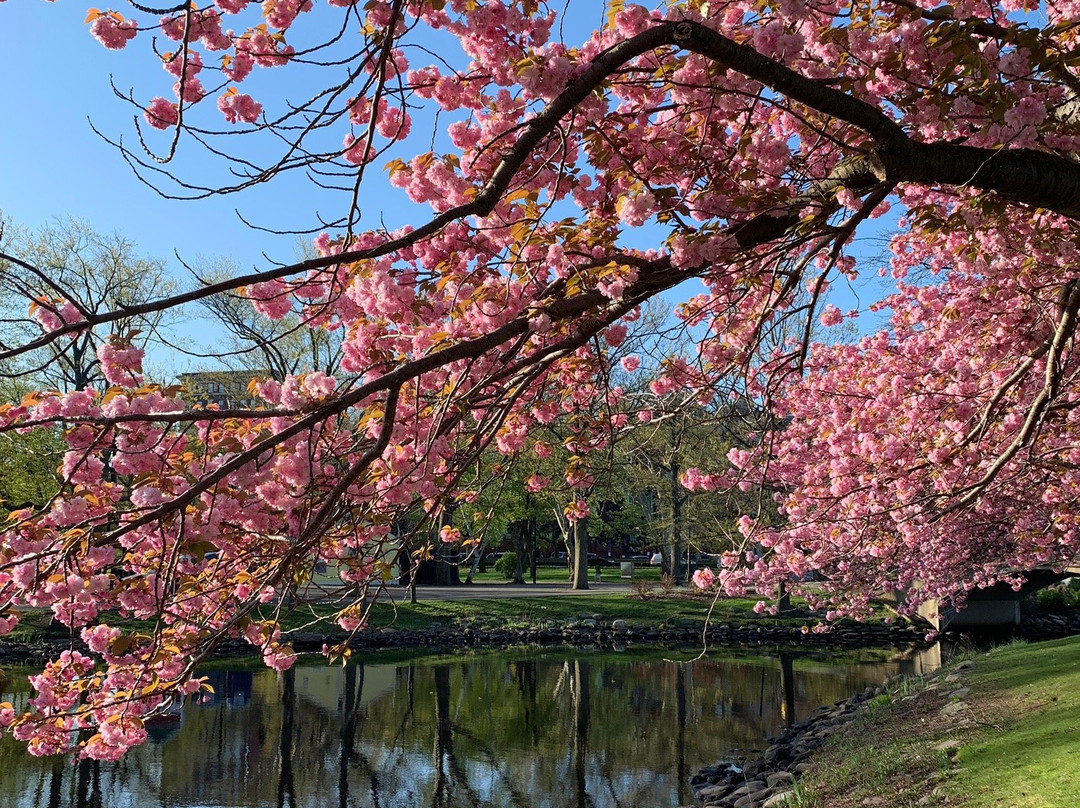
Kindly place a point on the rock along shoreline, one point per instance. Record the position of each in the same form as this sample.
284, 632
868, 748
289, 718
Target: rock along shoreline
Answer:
588, 630
768, 781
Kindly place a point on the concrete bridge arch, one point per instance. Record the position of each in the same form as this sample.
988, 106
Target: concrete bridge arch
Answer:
997, 606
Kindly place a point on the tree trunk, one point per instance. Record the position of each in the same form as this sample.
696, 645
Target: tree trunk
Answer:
581, 554
783, 598
446, 556
677, 561
519, 552
532, 548
478, 563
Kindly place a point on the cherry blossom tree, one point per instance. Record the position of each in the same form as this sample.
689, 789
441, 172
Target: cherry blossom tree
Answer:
747, 142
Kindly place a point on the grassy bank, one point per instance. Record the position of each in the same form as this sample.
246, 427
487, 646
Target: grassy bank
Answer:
1002, 734
656, 608
539, 611
488, 613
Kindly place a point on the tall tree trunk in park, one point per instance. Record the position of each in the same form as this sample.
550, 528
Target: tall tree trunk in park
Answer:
532, 547
520, 543
581, 554
446, 554
677, 560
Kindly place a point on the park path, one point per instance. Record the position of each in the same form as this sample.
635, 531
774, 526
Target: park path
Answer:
478, 591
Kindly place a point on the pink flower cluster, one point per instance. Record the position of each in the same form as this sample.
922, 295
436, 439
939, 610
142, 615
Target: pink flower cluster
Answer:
121, 364
54, 314
577, 510
939, 451
237, 107
113, 31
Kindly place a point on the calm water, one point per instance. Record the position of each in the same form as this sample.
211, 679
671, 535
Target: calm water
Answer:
508, 731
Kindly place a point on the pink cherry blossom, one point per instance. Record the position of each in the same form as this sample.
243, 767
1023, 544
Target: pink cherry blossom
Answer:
113, 31
565, 180
271, 298
232, 6
616, 335
577, 510
161, 114
704, 578
239, 107
831, 315
121, 364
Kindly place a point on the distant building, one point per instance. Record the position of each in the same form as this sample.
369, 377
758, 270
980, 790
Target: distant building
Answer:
224, 389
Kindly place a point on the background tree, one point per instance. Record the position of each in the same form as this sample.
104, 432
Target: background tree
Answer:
674, 436
278, 348
28, 462
28, 465
68, 271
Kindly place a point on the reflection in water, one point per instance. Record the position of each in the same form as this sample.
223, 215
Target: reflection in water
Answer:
286, 790
579, 688
520, 731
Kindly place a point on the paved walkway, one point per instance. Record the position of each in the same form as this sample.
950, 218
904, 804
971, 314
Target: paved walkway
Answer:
540, 590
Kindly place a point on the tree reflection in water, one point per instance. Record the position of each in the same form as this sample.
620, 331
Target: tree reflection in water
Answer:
579, 688
286, 787
493, 731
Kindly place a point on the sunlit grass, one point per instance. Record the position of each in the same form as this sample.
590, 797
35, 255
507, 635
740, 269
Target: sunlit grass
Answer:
538, 612
1029, 755
1018, 747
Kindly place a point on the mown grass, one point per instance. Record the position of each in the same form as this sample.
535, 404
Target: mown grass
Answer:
1014, 744
1028, 753
487, 613
541, 611
656, 608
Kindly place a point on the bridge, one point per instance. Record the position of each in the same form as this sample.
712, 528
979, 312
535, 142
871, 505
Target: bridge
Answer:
996, 606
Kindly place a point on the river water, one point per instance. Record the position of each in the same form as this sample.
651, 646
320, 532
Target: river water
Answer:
506, 730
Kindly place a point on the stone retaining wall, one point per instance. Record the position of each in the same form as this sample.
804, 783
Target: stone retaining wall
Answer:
590, 631
587, 631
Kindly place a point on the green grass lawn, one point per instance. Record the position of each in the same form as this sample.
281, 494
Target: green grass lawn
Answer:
538, 611
1014, 741
656, 609
1028, 750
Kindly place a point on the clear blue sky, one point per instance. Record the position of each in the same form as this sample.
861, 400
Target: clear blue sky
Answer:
56, 79
53, 165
